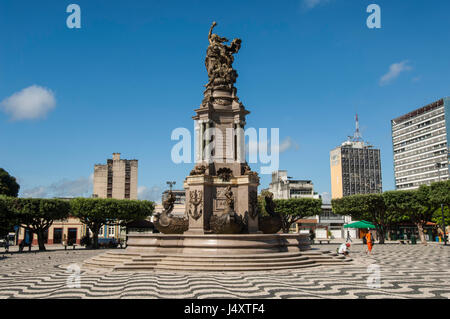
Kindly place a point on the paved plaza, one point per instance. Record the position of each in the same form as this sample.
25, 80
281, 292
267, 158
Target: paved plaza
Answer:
406, 271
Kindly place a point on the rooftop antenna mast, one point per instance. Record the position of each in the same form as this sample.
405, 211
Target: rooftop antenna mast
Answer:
357, 137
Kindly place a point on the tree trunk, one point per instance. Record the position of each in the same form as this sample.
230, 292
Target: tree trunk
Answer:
380, 233
95, 240
285, 225
40, 238
421, 233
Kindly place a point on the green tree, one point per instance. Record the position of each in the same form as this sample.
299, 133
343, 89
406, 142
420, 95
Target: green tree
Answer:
291, 210
8, 184
7, 220
437, 216
97, 212
37, 215
369, 207
412, 205
440, 195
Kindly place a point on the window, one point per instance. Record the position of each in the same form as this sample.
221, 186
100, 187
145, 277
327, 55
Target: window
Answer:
111, 231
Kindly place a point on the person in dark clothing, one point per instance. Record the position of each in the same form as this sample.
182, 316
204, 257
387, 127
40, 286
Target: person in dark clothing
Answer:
312, 235
349, 238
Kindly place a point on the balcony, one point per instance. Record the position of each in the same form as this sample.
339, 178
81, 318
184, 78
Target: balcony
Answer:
331, 218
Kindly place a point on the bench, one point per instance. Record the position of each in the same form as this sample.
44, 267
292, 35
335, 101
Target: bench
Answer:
321, 240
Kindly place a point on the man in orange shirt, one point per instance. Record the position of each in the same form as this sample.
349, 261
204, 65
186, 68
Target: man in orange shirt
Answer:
369, 241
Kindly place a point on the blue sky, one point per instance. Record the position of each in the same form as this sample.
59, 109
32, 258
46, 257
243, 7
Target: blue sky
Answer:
135, 71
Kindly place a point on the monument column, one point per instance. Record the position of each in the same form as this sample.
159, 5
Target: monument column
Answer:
207, 142
240, 143
197, 142
200, 141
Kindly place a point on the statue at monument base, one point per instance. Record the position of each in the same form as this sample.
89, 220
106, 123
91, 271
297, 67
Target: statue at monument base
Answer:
227, 222
165, 222
271, 223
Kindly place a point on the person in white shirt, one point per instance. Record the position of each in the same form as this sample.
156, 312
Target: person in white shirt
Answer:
343, 249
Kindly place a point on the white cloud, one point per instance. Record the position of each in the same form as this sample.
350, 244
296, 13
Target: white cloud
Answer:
394, 71
30, 103
81, 187
310, 4
153, 193
285, 145
36, 192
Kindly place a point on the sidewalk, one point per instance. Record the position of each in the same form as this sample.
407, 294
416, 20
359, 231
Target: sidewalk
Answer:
337, 241
57, 247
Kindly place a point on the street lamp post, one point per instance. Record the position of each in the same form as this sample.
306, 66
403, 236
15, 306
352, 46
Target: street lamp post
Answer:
171, 184
438, 166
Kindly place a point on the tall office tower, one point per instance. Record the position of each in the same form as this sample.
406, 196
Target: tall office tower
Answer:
116, 179
355, 167
420, 142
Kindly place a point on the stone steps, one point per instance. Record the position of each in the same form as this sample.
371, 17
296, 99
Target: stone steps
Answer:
220, 259
165, 264
236, 256
218, 263
212, 269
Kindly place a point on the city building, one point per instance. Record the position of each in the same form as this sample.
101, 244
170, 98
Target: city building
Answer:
325, 225
420, 142
116, 179
71, 229
284, 187
355, 167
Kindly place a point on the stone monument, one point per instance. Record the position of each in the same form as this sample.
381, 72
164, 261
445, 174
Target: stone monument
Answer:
222, 229
221, 189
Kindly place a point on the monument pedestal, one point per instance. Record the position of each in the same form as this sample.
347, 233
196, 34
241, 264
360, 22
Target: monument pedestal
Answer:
206, 196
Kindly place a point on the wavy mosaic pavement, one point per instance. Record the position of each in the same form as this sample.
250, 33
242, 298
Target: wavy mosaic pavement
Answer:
406, 271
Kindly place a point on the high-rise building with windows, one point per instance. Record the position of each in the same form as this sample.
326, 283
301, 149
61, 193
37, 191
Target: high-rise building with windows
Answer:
355, 167
116, 179
420, 143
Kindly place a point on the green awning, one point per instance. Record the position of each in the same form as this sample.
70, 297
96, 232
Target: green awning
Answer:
360, 224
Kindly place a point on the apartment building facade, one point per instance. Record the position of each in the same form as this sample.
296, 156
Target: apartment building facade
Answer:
284, 187
420, 142
116, 179
355, 169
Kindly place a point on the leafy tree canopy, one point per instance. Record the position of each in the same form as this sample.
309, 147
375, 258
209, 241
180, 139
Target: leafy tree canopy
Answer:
8, 184
293, 209
96, 212
440, 193
37, 215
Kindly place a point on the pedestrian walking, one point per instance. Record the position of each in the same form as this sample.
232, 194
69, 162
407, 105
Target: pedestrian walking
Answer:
369, 241
64, 241
349, 238
7, 244
312, 235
